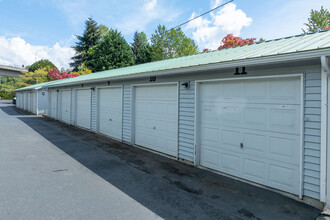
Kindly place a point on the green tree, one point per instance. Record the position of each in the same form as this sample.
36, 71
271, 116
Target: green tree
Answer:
318, 20
141, 48
7, 86
31, 78
89, 39
103, 29
261, 40
171, 43
41, 64
110, 53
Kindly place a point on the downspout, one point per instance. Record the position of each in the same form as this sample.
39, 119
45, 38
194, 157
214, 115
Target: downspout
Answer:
324, 130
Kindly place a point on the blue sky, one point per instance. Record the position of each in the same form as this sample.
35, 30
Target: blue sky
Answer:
45, 29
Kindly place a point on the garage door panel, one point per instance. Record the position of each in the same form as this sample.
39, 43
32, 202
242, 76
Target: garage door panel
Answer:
232, 115
255, 91
156, 118
284, 147
283, 177
272, 91
110, 112
263, 115
285, 119
255, 116
230, 138
277, 146
255, 143
210, 157
53, 102
145, 139
166, 146
230, 162
83, 108
210, 134
65, 105
277, 118
34, 102
232, 91
254, 169
285, 90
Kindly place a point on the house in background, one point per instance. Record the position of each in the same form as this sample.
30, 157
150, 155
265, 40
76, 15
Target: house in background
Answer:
256, 112
10, 71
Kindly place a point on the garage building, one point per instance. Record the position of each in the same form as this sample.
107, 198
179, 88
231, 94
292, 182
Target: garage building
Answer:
256, 112
33, 98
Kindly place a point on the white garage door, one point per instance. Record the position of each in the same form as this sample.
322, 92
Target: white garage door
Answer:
83, 107
65, 105
53, 104
110, 112
34, 102
251, 129
156, 118
18, 100
25, 101
29, 102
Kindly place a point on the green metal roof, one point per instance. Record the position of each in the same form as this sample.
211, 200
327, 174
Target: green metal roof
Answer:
39, 85
288, 45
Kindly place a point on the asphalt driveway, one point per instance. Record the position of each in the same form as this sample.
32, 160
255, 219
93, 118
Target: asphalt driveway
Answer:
50, 170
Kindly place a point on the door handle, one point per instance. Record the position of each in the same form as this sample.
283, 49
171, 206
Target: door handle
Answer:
241, 145
110, 119
154, 128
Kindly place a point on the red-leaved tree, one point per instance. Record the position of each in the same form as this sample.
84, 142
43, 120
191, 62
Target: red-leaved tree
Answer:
232, 41
326, 28
54, 75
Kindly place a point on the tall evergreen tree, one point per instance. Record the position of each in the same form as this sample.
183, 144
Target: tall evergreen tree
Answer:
110, 53
141, 48
318, 20
171, 43
89, 39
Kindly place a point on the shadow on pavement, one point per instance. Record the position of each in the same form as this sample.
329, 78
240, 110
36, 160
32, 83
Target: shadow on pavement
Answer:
171, 189
12, 110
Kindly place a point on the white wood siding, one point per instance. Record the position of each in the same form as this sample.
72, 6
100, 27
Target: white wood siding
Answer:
93, 110
312, 131
73, 107
186, 121
127, 94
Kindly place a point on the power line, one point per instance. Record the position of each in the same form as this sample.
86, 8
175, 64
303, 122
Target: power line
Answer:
186, 22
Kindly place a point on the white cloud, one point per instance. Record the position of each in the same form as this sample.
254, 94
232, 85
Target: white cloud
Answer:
227, 20
215, 3
150, 4
16, 51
